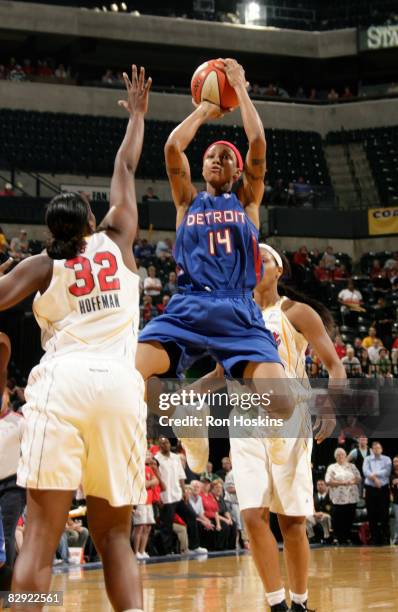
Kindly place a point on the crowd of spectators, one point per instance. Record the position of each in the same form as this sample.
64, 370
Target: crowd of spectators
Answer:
26, 70
49, 70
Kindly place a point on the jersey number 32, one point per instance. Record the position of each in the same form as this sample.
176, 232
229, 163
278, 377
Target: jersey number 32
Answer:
85, 281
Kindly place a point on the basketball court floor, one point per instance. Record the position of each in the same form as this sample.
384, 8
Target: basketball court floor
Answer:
341, 579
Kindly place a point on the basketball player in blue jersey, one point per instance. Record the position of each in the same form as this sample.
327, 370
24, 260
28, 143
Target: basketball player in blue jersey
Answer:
218, 258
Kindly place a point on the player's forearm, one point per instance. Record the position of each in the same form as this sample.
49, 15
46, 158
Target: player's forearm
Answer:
251, 120
336, 372
185, 132
129, 152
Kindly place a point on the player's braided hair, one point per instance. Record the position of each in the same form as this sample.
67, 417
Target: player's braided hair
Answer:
297, 296
66, 218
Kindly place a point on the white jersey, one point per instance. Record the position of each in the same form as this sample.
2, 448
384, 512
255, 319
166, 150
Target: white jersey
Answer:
91, 305
291, 343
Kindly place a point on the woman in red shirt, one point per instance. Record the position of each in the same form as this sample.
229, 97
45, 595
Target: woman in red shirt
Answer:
143, 517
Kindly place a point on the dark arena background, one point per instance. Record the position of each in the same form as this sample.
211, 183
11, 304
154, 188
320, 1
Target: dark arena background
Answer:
324, 79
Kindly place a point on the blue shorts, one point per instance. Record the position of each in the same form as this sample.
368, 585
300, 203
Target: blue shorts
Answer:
227, 325
2, 542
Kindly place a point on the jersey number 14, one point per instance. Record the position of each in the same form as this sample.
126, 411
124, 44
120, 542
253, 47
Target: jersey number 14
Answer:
222, 238
85, 281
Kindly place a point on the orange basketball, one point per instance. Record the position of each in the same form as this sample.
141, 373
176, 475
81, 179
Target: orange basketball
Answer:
210, 83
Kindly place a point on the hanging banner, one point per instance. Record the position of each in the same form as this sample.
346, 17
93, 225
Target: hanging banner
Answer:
96, 193
383, 220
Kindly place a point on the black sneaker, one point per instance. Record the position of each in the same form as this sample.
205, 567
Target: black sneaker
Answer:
296, 607
280, 607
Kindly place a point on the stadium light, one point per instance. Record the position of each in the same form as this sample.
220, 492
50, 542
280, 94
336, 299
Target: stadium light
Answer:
123, 6
252, 12
114, 7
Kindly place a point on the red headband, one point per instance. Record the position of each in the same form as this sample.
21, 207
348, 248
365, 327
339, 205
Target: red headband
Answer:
238, 156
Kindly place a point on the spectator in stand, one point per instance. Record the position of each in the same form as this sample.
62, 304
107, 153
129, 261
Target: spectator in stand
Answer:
152, 284
384, 317
164, 248
381, 284
171, 286
375, 269
209, 472
300, 94
147, 311
28, 68
367, 342
340, 272
333, 96
226, 466
271, 91
217, 490
394, 492
358, 347
301, 257
343, 479
3, 242
377, 472
143, 517
358, 454
374, 352
328, 259
163, 305
143, 249
347, 93
351, 363
142, 273
108, 78
195, 499
322, 514
392, 262
60, 72
303, 192
231, 499
279, 194
173, 477
351, 303
8, 191
217, 539
150, 195
340, 347
180, 528
17, 74
3, 74
76, 534
291, 196
313, 94
19, 247
384, 365
44, 70
364, 361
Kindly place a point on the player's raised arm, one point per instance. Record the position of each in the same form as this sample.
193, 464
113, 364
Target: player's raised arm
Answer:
123, 216
254, 171
177, 164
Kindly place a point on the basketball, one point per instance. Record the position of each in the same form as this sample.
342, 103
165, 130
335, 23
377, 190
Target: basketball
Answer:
209, 82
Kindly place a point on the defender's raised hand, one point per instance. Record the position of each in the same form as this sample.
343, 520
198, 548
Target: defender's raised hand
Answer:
137, 91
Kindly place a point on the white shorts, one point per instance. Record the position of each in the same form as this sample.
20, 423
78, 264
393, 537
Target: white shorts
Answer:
85, 424
260, 483
143, 515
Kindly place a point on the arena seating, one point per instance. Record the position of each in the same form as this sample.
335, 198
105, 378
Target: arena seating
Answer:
381, 145
82, 144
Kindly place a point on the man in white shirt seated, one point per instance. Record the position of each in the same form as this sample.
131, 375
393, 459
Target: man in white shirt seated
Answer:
173, 477
351, 363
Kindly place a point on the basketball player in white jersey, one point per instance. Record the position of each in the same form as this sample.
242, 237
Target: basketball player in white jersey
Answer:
85, 411
263, 483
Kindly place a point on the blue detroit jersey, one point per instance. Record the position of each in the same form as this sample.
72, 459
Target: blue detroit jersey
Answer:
217, 245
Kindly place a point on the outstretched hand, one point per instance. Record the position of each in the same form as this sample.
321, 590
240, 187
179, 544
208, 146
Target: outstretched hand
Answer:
137, 91
324, 427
